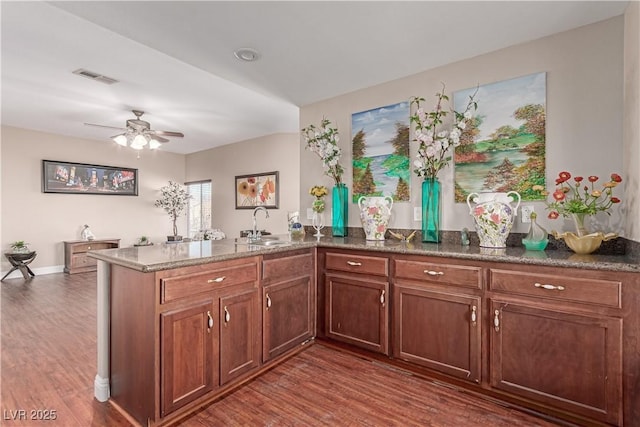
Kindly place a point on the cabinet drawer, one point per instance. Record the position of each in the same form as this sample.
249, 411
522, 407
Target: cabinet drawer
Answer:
91, 246
287, 267
357, 264
567, 288
82, 260
186, 285
439, 273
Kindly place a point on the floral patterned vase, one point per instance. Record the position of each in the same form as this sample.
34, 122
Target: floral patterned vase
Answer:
374, 214
493, 216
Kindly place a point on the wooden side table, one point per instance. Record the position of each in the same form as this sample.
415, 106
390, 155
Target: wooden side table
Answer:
20, 261
75, 254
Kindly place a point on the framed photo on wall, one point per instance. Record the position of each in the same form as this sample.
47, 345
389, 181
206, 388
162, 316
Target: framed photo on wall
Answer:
81, 178
258, 189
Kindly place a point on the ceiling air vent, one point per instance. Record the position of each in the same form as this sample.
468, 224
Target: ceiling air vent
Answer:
95, 76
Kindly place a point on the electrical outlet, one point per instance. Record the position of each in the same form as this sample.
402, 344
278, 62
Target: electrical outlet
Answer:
525, 212
309, 213
417, 214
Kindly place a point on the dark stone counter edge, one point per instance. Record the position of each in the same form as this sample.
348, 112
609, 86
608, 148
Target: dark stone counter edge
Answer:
513, 255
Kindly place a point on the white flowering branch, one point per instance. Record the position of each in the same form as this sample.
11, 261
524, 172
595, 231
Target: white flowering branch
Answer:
434, 142
173, 199
324, 142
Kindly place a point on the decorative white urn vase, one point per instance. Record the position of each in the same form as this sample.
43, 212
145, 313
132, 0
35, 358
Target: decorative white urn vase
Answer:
493, 215
374, 214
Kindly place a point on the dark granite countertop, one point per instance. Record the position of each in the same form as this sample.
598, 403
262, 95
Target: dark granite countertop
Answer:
173, 255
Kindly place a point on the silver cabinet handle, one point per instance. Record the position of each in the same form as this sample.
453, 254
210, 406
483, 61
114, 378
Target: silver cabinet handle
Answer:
433, 273
227, 316
549, 287
354, 263
382, 297
474, 315
268, 301
496, 320
217, 279
209, 321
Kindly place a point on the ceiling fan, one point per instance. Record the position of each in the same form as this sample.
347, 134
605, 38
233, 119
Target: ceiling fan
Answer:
138, 133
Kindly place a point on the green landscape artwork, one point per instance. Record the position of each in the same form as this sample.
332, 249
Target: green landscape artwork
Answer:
504, 148
380, 150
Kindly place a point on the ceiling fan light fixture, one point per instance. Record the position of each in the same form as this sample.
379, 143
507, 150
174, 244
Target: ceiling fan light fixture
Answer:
139, 142
247, 54
153, 144
138, 133
120, 139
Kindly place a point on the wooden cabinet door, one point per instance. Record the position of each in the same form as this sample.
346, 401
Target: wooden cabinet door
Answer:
571, 361
357, 312
438, 330
239, 333
187, 360
288, 312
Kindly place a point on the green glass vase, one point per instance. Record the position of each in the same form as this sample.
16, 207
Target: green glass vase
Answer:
339, 210
431, 211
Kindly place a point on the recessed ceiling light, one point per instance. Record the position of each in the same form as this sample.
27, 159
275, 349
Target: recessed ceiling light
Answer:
247, 54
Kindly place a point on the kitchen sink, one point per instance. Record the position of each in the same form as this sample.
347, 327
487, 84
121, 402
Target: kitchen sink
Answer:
267, 241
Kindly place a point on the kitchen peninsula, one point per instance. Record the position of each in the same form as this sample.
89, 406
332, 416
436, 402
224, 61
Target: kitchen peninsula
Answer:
554, 332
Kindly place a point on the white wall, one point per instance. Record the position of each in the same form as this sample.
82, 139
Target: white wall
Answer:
584, 113
632, 119
279, 152
46, 220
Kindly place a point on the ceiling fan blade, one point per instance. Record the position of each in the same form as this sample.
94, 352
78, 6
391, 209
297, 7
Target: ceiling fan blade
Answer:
159, 138
103, 126
169, 134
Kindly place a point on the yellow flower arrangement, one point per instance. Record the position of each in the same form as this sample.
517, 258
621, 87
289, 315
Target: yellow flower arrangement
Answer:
318, 191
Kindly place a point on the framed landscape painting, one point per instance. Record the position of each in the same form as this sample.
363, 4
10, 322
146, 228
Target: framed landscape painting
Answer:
380, 152
504, 147
259, 189
81, 178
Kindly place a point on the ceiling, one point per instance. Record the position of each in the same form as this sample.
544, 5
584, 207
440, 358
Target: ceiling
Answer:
174, 59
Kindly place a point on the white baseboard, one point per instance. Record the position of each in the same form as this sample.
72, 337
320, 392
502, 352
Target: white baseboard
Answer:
37, 271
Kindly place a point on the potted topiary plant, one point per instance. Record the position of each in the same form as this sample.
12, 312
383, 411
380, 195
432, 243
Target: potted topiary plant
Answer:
173, 199
20, 247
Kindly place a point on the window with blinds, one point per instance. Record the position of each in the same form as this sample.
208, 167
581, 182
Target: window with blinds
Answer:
199, 208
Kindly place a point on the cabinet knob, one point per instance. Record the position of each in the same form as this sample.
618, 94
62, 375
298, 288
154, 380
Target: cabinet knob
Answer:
216, 280
382, 299
496, 320
474, 315
268, 301
227, 316
549, 287
354, 263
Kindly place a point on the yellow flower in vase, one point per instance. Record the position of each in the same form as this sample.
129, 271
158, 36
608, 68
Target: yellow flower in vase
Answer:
318, 191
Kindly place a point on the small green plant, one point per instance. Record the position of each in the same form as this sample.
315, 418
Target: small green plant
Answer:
19, 245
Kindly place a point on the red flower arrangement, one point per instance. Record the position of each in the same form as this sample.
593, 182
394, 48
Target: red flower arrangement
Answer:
576, 198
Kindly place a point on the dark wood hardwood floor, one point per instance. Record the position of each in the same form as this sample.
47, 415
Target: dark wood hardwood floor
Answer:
48, 359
